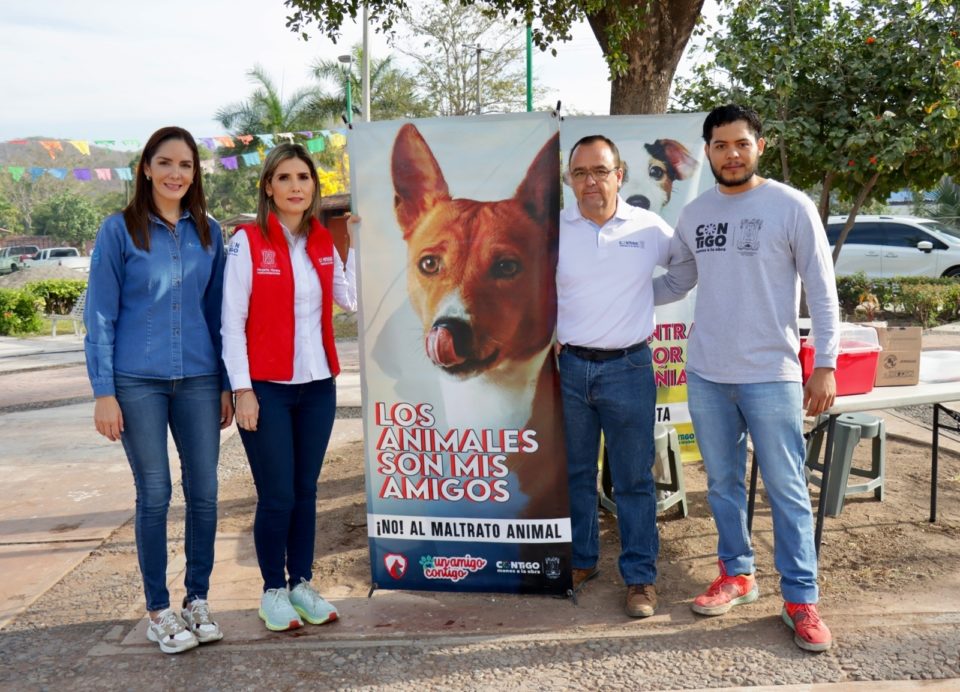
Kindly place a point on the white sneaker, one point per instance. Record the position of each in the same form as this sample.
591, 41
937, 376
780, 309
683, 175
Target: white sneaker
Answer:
196, 615
170, 633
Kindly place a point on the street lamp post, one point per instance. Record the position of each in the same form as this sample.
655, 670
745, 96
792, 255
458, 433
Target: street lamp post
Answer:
347, 60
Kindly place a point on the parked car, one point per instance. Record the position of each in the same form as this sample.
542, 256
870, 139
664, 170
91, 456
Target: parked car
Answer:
10, 257
59, 257
885, 246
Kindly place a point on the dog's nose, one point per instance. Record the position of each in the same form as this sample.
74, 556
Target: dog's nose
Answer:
638, 201
449, 342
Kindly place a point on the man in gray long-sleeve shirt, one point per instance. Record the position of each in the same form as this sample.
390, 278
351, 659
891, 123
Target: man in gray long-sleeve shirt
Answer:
749, 242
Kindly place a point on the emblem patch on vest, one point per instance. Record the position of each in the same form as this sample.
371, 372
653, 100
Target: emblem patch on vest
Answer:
268, 263
323, 261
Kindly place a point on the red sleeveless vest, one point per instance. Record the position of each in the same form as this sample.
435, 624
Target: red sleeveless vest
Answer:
270, 320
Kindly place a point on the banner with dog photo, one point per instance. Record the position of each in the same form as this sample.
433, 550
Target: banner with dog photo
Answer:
664, 168
465, 465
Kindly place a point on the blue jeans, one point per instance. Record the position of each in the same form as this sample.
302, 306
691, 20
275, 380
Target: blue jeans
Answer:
617, 396
191, 409
772, 412
285, 454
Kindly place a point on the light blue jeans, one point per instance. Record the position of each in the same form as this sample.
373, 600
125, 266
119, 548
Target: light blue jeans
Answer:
191, 409
619, 397
772, 413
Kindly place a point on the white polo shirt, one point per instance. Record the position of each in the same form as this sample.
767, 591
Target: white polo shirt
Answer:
604, 276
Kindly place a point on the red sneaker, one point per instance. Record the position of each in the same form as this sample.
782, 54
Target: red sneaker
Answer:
809, 631
725, 592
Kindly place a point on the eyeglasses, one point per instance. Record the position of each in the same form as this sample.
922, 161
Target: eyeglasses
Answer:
598, 174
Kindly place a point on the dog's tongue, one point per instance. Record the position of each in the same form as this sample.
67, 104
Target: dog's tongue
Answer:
441, 349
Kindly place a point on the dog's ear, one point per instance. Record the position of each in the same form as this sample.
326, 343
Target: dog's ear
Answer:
677, 156
539, 193
418, 183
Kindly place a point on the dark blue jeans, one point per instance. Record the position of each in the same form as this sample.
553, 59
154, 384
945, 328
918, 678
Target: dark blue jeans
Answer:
285, 454
617, 396
191, 409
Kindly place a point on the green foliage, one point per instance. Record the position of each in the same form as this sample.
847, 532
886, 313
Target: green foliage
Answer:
860, 97
266, 111
393, 93
58, 295
442, 39
849, 290
642, 42
67, 217
20, 311
231, 192
8, 215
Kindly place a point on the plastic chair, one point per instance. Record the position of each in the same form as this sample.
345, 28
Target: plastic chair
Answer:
667, 473
75, 315
850, 429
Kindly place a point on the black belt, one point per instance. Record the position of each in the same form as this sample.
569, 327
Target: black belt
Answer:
602, 353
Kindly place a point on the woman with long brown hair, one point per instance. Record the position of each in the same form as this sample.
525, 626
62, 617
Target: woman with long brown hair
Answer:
153, 357
283, 275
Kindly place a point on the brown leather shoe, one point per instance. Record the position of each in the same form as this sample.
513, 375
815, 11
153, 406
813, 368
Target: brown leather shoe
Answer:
641, 600
582, 576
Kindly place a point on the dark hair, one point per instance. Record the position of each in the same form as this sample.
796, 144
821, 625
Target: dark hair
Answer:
731, 113
136, 214
265, 204
590, 139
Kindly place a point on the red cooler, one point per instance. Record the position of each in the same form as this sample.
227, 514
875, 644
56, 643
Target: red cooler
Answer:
856, 362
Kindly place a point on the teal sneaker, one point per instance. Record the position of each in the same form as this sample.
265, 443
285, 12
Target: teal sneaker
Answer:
276, 611
310, 605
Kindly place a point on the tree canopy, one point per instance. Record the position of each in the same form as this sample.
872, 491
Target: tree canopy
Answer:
642, 42
858, 97
68, 217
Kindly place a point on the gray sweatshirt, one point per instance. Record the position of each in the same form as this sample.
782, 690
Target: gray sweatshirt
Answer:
749, 252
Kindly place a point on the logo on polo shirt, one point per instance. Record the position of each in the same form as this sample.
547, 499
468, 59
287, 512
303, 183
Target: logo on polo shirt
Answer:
632, 243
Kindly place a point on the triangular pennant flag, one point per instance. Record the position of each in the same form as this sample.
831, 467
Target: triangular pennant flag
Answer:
315, 145
267, 140
105, 142
81, 145
58, 173
337, 139
305, 133
123, 173
36, 172
229, 162
103, 173
52, 146
246, 139
17, 141
132, 143
81, 173
16, 171
325, 133
286, 135
252, 159
207, 166
225, 141
208, 143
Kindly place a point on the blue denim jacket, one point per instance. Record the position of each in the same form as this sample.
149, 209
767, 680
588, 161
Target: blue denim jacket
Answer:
154, 314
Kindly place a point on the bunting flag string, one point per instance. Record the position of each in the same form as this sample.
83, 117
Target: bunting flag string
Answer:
316, 142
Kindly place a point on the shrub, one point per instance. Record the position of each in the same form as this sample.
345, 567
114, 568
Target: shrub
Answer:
20, 311
849, 290
59, 295
923, 302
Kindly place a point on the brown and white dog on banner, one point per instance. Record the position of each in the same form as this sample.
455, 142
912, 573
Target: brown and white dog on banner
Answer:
650, 186
481, 279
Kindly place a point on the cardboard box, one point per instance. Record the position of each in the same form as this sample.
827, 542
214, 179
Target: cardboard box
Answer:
899, 363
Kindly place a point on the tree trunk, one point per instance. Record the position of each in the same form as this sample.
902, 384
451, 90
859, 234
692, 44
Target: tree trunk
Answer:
654, 53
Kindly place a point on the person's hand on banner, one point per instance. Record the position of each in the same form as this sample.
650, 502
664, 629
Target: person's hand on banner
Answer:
353, 223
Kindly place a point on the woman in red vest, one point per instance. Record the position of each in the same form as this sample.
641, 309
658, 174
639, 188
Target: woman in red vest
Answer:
282, 276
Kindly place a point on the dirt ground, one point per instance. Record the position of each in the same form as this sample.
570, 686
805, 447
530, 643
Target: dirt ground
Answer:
862, 555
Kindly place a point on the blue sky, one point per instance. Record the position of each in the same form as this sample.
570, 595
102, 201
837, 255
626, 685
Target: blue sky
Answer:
112, 69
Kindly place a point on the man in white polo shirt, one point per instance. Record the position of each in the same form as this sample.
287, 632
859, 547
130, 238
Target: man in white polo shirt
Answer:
608, 252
